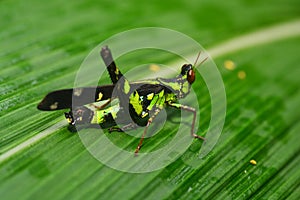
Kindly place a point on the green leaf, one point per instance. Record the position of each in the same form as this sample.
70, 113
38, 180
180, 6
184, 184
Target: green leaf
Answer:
43, 45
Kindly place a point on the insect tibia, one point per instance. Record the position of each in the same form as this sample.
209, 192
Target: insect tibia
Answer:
112, 69
106, 55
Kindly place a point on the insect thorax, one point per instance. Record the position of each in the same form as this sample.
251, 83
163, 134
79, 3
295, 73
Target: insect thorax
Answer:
179, 86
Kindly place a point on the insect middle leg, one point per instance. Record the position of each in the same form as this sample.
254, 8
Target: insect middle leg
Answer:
150, 120
124, 128
189, 109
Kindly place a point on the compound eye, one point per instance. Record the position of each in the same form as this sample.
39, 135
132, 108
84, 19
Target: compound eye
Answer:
184, 69
191, 76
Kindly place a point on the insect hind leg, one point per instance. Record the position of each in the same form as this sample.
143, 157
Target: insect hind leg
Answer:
122, 86
114, 72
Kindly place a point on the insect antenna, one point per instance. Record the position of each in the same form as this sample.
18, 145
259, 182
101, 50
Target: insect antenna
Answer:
195, 64
197, 58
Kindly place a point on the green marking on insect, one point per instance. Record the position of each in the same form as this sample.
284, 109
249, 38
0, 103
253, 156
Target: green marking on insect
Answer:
145, 101
126, 87
77, 91
152, 102
150, 96
54, 106
100, 95
135, 101
117, 72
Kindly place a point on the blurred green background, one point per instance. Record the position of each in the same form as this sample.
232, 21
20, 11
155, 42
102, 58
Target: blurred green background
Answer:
42, 46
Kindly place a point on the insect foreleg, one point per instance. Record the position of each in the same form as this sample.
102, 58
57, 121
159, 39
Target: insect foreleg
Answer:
189, 109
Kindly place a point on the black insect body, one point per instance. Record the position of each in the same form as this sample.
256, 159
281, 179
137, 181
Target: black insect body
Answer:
138, 103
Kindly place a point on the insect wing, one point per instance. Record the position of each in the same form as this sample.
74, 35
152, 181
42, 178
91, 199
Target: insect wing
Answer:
62, 99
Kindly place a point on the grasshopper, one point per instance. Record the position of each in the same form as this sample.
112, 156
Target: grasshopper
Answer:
139, 102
